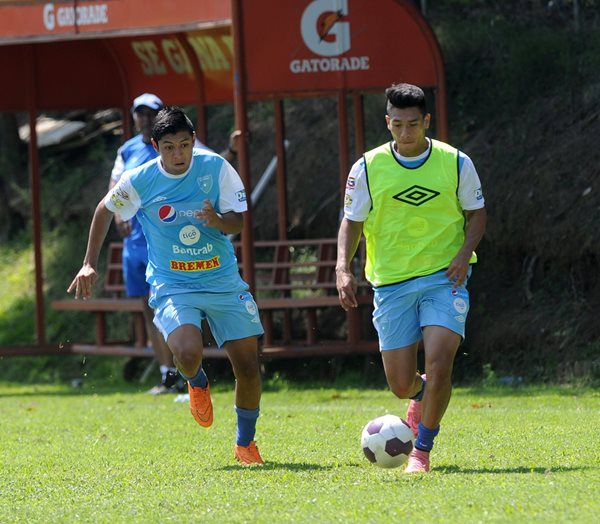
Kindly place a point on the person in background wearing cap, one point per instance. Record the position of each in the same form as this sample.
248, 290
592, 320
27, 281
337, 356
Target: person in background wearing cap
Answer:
133, 153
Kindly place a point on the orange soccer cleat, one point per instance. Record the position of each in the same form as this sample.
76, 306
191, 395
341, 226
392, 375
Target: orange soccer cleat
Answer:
201, 405
248, 455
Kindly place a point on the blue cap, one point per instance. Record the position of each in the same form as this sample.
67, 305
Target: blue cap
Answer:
147, 100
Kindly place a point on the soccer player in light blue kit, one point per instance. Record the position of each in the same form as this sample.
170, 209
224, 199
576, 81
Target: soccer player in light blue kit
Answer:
188, 201
420, 206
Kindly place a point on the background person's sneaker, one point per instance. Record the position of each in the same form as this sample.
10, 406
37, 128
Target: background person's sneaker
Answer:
248, 455
171, 383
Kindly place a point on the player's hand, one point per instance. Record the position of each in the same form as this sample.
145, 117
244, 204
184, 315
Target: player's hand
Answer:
83, 283
210, 216
123, 226
347, 287
458, 269
234, 140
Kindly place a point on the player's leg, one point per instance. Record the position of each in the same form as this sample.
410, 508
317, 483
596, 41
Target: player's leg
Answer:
135, 260
442, 311
186, 344
135, 286
441, 345
170, 380
396, 320
235, 325
400, 366
243, 355
179, 319
440, 348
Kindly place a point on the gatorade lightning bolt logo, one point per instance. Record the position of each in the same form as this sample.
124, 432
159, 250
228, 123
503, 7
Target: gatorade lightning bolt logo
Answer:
167, 214
326, 22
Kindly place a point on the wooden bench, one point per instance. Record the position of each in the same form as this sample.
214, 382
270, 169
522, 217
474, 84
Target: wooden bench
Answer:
114, 302
297, 278
295, 283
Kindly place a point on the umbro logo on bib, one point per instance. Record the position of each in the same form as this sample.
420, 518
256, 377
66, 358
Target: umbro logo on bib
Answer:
416, 195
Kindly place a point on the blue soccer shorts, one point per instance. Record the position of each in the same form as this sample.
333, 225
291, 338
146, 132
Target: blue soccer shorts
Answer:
231, 316
403, 310
135, 260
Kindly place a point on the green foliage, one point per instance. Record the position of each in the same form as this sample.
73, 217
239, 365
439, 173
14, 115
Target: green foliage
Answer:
16, 294
97, 454
496, 67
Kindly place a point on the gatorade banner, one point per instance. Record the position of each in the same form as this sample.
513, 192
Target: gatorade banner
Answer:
320, 45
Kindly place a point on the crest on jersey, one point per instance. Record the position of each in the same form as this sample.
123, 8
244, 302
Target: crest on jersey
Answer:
205, 183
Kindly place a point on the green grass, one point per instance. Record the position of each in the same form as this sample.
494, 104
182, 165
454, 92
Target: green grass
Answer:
106, 455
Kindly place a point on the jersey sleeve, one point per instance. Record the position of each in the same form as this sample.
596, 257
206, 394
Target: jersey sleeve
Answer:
119, 167
232, 195
357, 200
123, 199
470, 194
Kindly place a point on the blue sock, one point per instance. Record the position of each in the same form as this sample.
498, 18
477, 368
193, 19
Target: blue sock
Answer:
419, 396
246, 425
425, 437
200, 380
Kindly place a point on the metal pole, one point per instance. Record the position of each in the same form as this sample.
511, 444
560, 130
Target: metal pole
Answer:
240, 105
34, 183
281, 169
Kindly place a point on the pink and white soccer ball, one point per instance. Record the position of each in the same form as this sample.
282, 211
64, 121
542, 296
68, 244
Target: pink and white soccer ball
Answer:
387, 441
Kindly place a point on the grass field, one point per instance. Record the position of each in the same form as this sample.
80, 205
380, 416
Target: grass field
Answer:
94, 455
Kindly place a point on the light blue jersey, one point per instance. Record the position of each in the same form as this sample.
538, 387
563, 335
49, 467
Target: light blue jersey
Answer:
183, 255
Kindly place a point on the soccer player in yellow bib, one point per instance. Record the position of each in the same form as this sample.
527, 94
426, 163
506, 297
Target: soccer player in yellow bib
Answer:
419, 204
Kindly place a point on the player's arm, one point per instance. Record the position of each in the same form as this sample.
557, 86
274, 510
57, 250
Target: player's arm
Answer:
231, 204
123, 226
470, 197
474, 230
230, 153
357, 204
347, 244
84, 281
230, 223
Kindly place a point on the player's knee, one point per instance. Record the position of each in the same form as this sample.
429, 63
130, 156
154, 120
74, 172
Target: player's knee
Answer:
402, 389
188, 354
439, 372
249, 371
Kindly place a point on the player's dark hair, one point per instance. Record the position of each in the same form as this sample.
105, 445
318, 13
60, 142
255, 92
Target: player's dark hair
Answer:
171, 120
403, 96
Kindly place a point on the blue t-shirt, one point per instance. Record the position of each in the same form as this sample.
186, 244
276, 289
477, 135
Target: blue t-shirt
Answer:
183, 254
132, 154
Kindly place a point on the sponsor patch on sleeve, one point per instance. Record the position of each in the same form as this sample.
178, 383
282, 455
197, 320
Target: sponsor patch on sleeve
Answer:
347, 200
241, 195
116, 201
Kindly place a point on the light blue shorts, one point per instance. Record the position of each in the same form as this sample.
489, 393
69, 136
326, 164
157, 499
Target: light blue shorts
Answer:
403, 310
231, 316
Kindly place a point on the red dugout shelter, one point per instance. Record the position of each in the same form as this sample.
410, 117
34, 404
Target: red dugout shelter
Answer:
59, 55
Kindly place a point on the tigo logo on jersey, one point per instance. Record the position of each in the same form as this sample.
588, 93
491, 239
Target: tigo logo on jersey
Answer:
189, 235
167, 214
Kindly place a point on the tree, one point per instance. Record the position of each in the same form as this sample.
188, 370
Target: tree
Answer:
13, 176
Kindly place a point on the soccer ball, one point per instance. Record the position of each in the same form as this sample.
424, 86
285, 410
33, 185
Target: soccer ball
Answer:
387, 441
